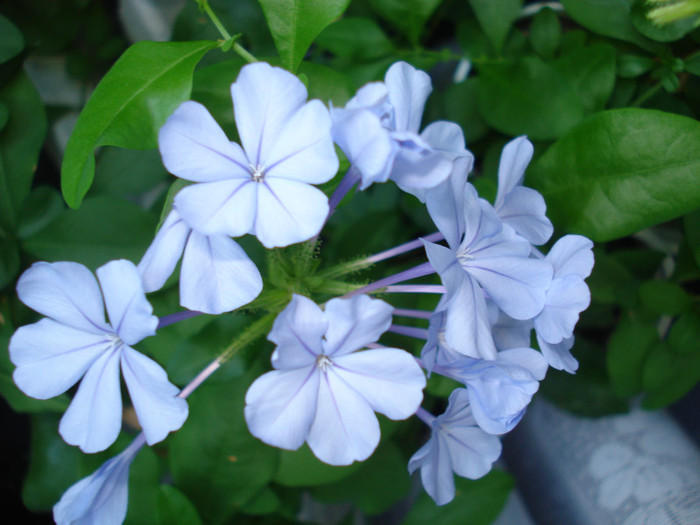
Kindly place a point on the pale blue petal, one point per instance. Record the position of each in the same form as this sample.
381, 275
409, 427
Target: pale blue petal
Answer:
216, 275
226, 207
435, 469
566, 298
100, 498
366, 144
297, 332
281, 406
373, 96
510, 333
264, 100
194, 147
345, 428
304, 149
389, 379
154, 398
517, 285
447, 138
129, 312
515, 157
559, 355
94, 418
52, 357
480, 221
572, 255
354, 323
159, 261
288, 212
408, 90
66, 292
445, 203
417, 167
524, 210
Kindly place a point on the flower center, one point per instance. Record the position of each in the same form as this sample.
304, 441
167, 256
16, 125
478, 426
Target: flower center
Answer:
323, 362
464, 257
257, 173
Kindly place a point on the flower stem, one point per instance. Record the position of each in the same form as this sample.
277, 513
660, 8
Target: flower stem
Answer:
249, 335
415, 288
247, 56
425, 416
412, 273
416, 314
403, 248
176, 317
411, 331
346, 184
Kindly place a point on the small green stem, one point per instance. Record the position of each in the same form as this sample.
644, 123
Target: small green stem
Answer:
646, 95
345, 268
252, 332
246, 55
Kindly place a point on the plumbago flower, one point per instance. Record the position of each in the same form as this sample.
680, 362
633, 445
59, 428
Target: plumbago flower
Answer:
75, 341
263, 188
103, 496
456, 445
378, 132
324, 392
216, 274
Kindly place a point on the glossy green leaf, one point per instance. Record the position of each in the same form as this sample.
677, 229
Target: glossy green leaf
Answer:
527, 97
545, 33
659, 32
326, 84
20, 143
11, 40
355, 38
611, 18
668, 376
496, 18
175, 509
137, 175
129, 106
40, 209
664, 298
632, 66
476, 502
214, 460
295, 24
103, 229
590, 72
626, 169
299, 468
684, 336
628, 349
408, 16
264, 502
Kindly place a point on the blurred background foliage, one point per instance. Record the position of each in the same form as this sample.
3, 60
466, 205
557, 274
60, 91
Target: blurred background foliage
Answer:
609, 98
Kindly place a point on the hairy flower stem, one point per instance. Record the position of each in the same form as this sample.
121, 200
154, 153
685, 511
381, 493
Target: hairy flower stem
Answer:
403, 248
412, 273
410, 331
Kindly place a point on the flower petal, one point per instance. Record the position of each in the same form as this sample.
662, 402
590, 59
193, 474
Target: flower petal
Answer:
435, 465
155, 399
445, 203
389, 379
129, 312
417, 167
194, 147
216, 275
567, 297
281, 406
297, 332
572, 255
345, 428
559, 355
515, 157
304, 150
354, 323
94, 418
225, 207
288, 212
408, 90
447, 138
264, 100
52, 357
66, 292
524, 210
159, 261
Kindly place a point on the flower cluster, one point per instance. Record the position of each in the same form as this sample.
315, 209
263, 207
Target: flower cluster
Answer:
330, 374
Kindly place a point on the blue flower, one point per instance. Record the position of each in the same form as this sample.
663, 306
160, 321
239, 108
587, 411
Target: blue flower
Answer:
456, 445
75, 341
216, 275
263, 188
324, 392
102, 497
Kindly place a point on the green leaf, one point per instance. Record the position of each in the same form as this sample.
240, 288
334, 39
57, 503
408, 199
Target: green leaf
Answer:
408, 16
626, 169
174, 508
608, 18
691, 223
9, 260
11, 40
355, 39
132, 174
143, 489
627, 353
668, 376
129, 106
527, 97
590, 72
20, 144
496, 18
664, 298
460, 105
103, 229
380, 482
295, 24
264, 502
545, 33
40, 209
611, 282
214, 459
212, 87
327, 84
632, 66
476, 502
659, 32
300, 468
